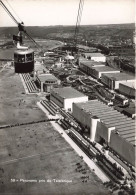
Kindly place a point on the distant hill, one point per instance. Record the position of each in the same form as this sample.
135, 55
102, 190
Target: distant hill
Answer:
86, 31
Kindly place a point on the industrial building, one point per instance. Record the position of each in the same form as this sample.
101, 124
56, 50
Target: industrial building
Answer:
108, 126
86, 65
97, 70
128, 88
113, 80
66, 96
98, 57
46, 82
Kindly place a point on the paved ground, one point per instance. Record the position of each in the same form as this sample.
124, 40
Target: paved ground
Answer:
37, 152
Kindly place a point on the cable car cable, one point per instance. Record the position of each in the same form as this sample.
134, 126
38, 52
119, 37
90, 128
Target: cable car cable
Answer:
20, 26
22, 64
13, 11
31, 39
9, 12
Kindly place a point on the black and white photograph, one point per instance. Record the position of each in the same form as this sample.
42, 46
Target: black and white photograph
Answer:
67, 97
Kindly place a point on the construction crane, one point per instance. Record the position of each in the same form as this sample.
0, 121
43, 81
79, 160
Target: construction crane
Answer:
23, 57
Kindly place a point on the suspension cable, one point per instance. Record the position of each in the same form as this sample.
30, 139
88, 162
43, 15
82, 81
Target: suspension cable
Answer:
38, 46
19, 24
13, 10
9, 12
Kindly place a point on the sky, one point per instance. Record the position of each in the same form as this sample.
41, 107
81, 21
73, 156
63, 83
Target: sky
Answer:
64, 12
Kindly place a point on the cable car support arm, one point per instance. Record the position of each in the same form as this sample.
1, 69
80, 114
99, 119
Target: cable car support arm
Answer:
20, 25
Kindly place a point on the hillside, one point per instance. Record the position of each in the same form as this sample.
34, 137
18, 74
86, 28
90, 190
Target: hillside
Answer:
89, 32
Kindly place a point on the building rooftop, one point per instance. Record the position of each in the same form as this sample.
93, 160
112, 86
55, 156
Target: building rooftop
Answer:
47, 77
106, 68
111, 118
68, 92
91, 63
120, 76
93, 54
129, 84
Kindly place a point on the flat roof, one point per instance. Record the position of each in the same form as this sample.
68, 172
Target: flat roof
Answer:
91, 63
47, 77
109, 116
106, 68
120, 76
94, 54
68, 92
129, 84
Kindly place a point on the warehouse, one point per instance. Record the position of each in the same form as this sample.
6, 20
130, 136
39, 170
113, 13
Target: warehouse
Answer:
104, 124
95, 69
124, 144
66, 96
98, 57
113, 80
127, 88
97, 72
46, 82
86, 65
85, 111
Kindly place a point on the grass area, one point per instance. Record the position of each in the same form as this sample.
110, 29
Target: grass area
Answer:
36, 151
15, 105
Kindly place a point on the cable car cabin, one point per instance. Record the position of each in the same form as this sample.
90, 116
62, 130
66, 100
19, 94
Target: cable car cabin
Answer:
24, 61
